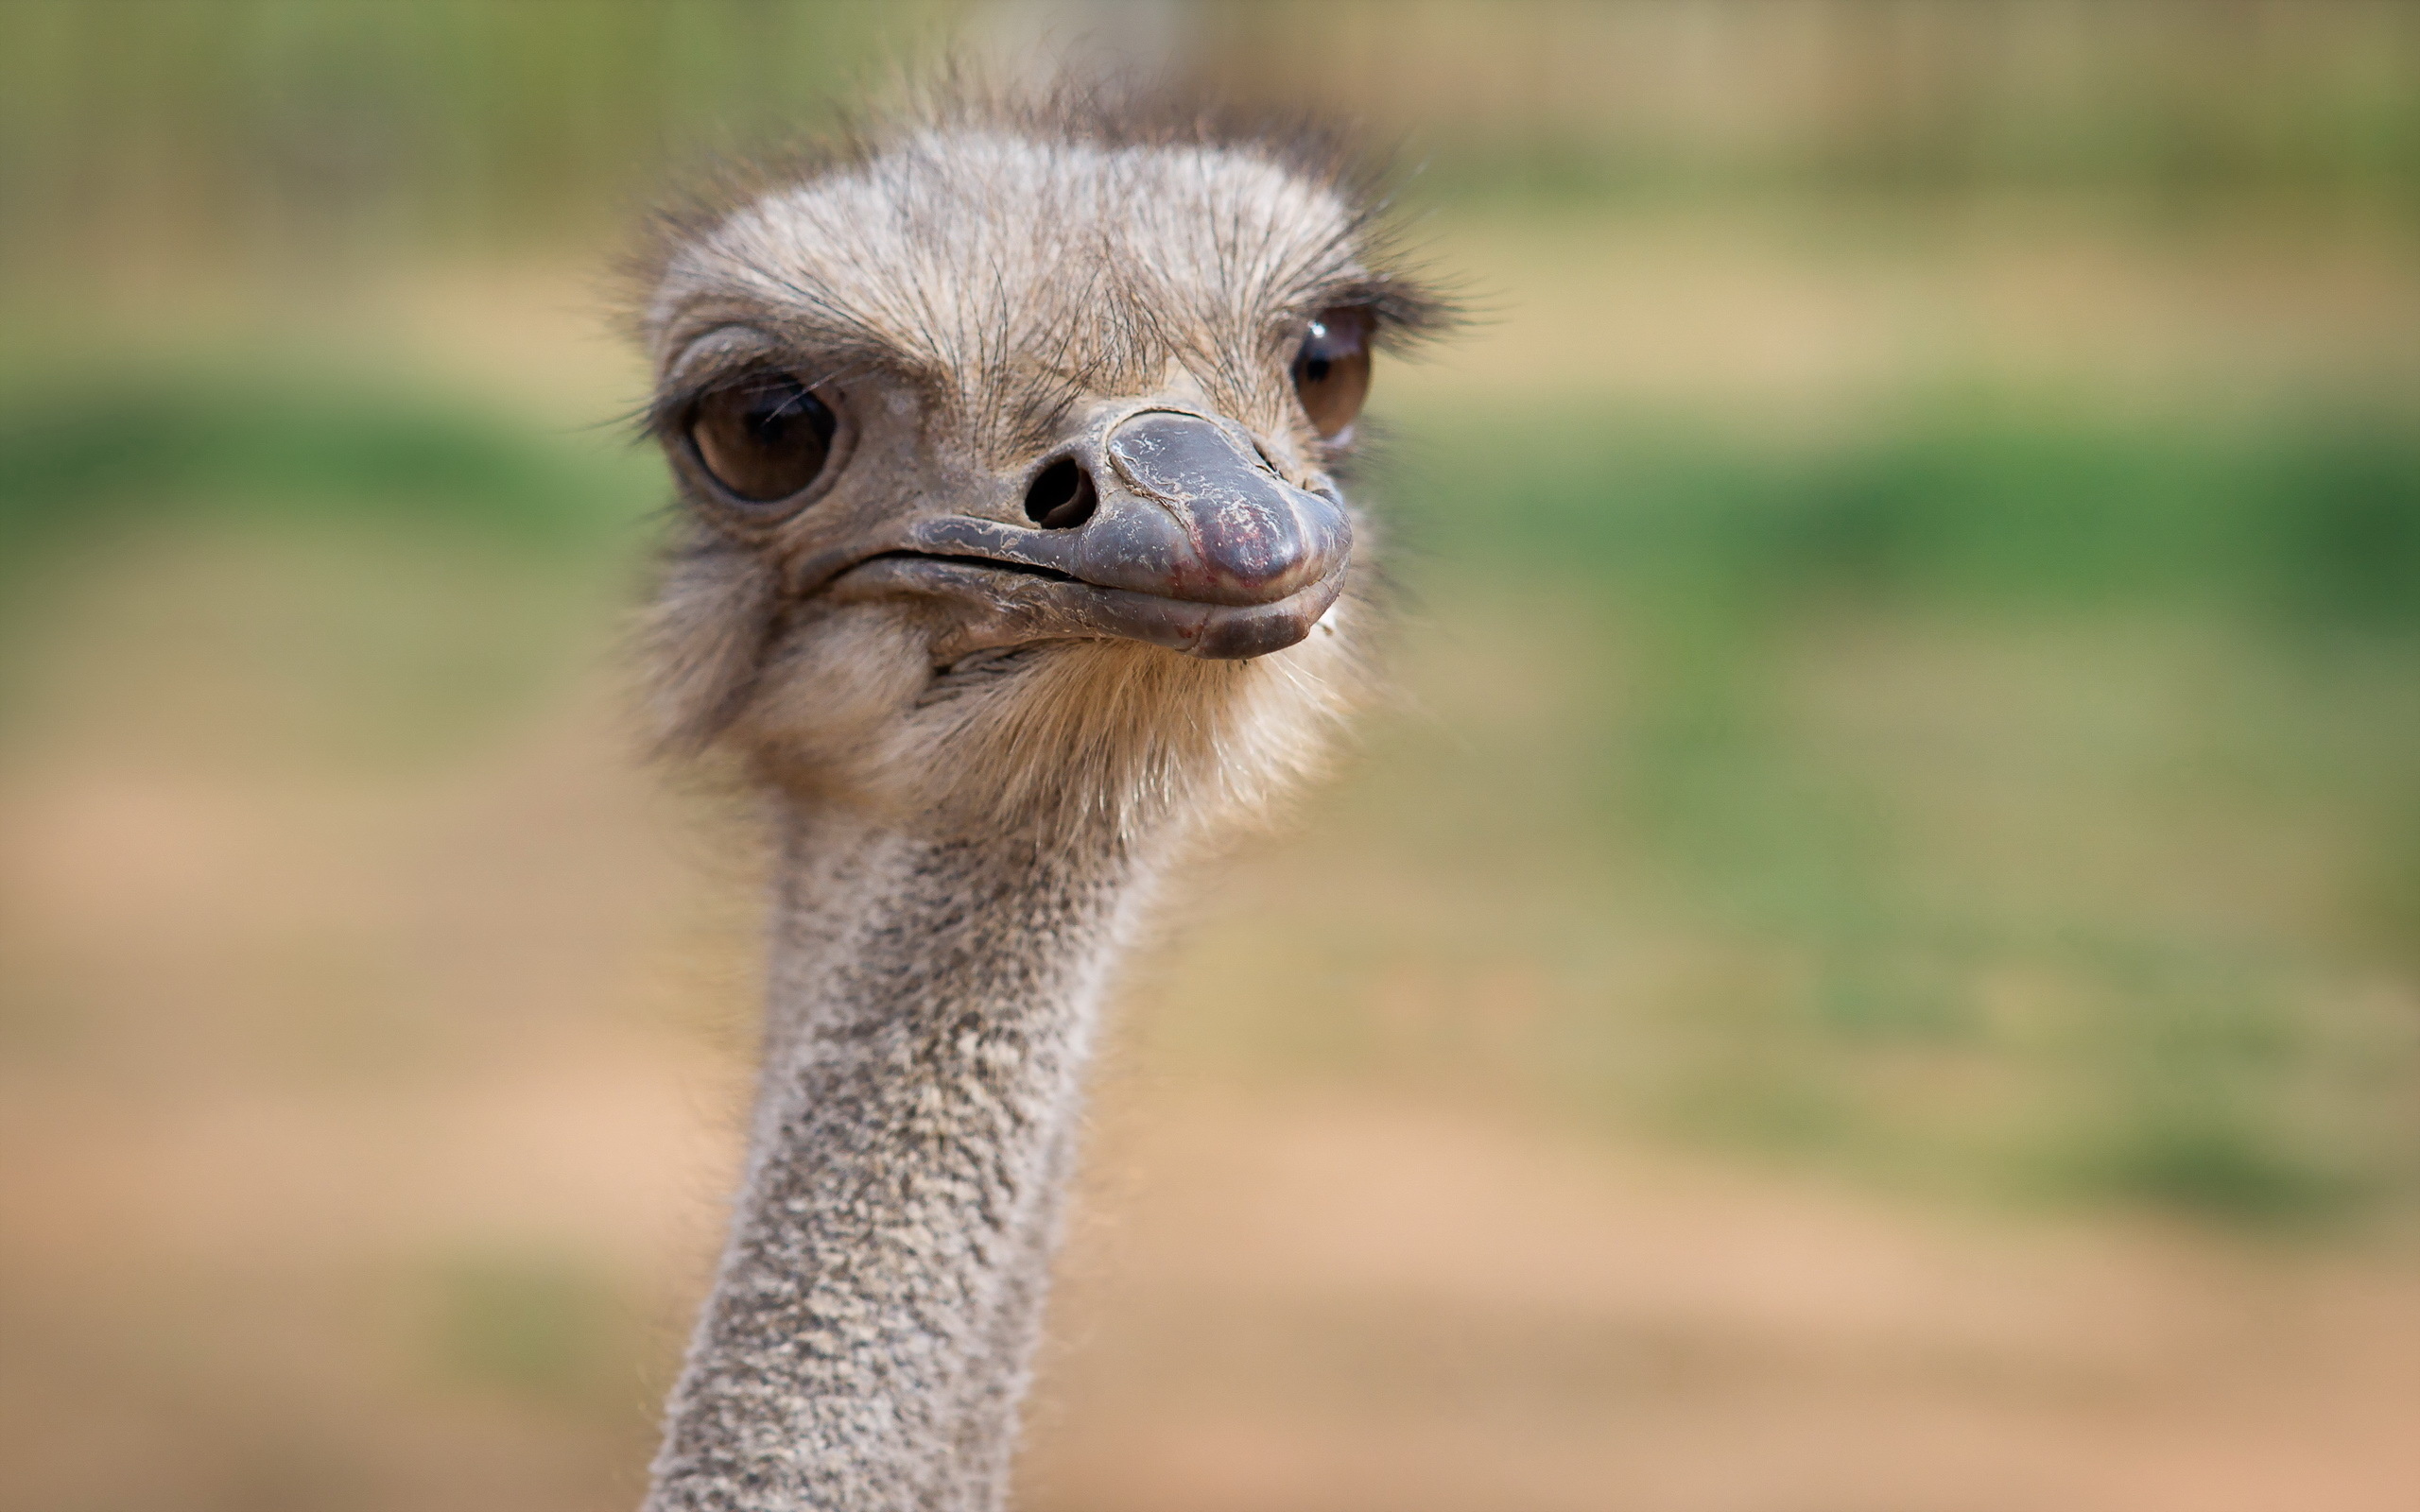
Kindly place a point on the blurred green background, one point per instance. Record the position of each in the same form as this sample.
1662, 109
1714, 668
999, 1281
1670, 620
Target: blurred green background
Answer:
1874, 964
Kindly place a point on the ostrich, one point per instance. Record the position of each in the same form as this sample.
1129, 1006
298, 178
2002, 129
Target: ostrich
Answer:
1012, 570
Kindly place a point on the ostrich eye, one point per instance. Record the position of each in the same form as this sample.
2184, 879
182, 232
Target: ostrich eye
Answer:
765, 438
1332, 370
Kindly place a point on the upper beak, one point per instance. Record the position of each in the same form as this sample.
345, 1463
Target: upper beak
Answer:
1195, 543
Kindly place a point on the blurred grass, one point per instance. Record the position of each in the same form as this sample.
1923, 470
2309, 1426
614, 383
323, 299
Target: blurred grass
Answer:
2305, 521
1941, 763
146, 450
1894, 709
543, 1328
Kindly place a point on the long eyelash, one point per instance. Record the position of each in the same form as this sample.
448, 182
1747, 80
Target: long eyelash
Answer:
661, 420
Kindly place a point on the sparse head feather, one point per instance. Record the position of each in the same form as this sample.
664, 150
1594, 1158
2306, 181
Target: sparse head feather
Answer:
1003, 259
1128, 117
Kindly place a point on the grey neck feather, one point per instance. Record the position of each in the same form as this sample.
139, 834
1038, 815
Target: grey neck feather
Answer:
932, 1010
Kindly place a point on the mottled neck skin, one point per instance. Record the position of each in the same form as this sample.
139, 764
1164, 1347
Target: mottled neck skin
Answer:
932, 1008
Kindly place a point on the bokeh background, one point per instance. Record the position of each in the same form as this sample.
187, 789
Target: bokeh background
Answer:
1874, 966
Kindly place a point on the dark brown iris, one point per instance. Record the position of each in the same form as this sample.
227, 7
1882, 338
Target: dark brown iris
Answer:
765, 438
1332, 370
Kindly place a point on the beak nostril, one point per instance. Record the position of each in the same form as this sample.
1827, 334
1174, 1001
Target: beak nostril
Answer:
1062, 497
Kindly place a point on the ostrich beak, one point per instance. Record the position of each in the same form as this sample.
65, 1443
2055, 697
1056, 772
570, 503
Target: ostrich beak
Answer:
1204, 518
1195, 544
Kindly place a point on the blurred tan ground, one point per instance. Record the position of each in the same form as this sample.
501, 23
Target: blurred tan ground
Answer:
359, 1022
328, 1039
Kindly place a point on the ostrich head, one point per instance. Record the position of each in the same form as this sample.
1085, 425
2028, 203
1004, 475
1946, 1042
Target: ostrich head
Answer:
1008, 440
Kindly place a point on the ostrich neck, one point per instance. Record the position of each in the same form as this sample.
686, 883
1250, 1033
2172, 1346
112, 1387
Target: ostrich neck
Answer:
931, 1011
